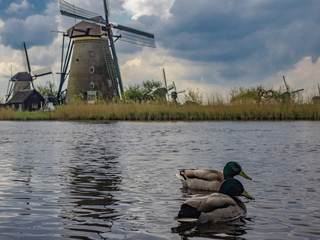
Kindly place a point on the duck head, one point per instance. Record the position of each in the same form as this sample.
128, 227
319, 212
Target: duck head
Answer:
232, 169
233, 187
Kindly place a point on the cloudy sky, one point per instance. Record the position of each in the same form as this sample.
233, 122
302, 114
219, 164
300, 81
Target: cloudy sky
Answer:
210, 45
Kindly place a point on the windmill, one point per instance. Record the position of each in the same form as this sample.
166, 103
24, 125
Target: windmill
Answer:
24, 80
94, 67
288, 94
171, 90
316, 99
166, 93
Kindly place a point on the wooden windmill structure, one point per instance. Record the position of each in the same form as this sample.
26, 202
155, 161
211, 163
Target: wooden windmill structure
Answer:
91, 53
23, 81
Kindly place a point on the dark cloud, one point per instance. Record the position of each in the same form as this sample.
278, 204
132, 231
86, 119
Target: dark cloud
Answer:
249, 37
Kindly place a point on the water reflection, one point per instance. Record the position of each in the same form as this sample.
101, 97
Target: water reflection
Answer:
71, 180
89, 186
230, 230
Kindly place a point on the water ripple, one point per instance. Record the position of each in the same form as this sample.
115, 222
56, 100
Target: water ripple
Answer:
64, 180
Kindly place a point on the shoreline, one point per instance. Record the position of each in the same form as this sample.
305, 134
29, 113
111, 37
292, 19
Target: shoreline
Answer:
164, 112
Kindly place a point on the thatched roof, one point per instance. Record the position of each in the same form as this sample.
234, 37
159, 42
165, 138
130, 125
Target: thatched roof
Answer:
22, 76
22, 95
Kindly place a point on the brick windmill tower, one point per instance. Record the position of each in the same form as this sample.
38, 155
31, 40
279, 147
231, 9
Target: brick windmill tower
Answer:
91, 61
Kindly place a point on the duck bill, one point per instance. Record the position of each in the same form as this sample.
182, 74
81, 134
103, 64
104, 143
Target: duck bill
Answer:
247, 195
242, 174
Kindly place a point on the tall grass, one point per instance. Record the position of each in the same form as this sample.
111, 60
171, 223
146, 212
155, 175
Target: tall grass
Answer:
163, 112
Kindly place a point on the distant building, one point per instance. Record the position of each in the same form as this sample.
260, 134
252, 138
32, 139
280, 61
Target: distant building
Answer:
50, 100
26, 100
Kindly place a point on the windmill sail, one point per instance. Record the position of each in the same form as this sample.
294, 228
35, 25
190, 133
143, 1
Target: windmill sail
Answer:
135, 36
42, 72
125, 34
70, 10
27, 57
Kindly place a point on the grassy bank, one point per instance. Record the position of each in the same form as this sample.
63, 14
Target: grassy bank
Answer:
163, 112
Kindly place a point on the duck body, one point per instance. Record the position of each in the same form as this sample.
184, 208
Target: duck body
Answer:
209, 180
216, 207
201, 179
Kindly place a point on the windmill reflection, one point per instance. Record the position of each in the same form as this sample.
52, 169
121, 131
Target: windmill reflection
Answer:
89, 196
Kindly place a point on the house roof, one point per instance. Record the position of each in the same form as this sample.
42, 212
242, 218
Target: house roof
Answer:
22, 95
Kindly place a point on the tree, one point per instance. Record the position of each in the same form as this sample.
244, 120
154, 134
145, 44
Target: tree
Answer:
47, 88
193, 96
145, 91
133, 93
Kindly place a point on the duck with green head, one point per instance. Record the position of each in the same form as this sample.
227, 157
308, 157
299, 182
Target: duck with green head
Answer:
218, 207
209, 180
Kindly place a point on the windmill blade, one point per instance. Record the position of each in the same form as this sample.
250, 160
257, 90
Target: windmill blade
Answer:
106, 9
5, 77
13, 78
27, 58
42, 72
135, 36
128, 34
174, 86
170, 87
183, 91
9, 91
134, 31
299, 90
73, 11
285, 83
8, 87
164, 78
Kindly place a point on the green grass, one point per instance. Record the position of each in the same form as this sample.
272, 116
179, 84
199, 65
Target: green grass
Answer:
164, 112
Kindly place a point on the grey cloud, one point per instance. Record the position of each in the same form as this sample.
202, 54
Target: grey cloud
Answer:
35, 30
268, 35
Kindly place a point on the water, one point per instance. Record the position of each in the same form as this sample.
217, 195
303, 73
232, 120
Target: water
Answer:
73, 180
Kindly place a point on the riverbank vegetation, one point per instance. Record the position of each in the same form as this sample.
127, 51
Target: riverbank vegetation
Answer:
244, 104
170, 112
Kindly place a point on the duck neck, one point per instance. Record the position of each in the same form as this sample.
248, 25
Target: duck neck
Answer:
228, 173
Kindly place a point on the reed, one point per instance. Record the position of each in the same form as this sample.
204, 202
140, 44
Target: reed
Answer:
163, 112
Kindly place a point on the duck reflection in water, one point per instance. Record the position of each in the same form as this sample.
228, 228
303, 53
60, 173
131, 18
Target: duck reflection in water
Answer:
228, 230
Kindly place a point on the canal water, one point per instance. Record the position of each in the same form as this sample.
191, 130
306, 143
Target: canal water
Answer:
81, 180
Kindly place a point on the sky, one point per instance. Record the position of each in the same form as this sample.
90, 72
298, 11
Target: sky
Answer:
212, 46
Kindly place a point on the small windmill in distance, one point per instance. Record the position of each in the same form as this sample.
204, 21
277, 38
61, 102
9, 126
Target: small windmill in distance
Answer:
171, 90
289, 94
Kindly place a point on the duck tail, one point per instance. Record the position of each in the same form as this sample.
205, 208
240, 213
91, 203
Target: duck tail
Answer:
186, 220
181, 176
188, 214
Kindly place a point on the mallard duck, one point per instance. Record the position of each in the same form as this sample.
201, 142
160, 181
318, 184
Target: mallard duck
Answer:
209, 180
216, 207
